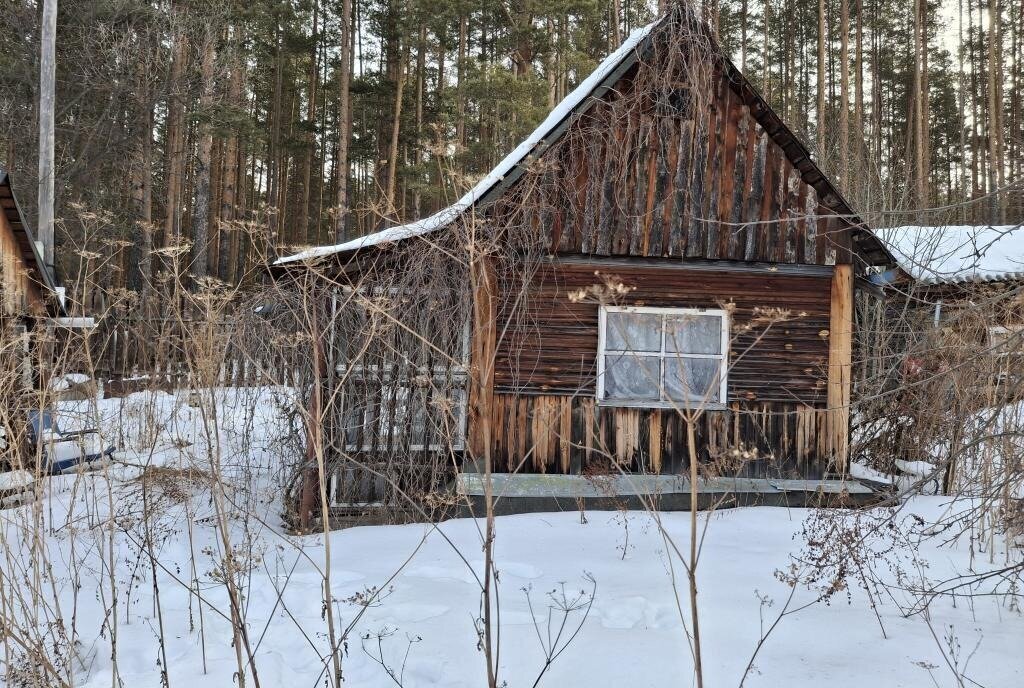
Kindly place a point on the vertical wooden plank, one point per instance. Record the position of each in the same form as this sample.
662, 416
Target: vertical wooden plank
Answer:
589, 429
564, 433
608, 218
523, 429
810, 225
752, 212
737, 233
482, 354
766, 238
727, 175
667, 132
709, 206
800, 219
573, 233
840, 363
654, 448
540, 427
695, 237
790, 182
680, 222
639, 181
592, 202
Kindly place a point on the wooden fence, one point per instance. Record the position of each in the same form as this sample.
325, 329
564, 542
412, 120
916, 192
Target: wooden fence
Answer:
137, 352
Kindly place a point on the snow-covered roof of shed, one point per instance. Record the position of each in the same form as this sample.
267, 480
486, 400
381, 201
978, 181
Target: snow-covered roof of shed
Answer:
958, 253
444, 217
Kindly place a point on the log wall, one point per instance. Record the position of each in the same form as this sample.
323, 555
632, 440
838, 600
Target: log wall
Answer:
549, 340
21, 294
544, 416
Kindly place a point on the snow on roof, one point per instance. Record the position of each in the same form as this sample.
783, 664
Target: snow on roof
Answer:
958, 253
444, 217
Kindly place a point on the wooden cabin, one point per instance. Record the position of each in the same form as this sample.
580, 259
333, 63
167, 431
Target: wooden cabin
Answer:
28, 293
27, 289
662, 250
965, 285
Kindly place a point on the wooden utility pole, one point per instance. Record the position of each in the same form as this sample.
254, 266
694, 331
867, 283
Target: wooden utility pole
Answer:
47, 91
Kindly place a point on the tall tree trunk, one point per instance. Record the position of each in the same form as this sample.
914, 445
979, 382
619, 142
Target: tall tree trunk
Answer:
743, 35
231, 187
964, 181
175, 136
766, 54
550, 72
275, 156
995, 75
460, 80
616, 32
391, 207
421, 63
916, 118
876, 90
844, 92
140, 278
820, 110
304, 231
858, 89
344, 122
201, 204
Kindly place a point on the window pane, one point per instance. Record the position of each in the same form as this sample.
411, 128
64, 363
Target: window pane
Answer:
631, 377
633, 332
692, 379
692, 333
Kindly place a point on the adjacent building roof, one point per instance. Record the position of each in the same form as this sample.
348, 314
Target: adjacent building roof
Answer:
958, 253
23, 234
611, 69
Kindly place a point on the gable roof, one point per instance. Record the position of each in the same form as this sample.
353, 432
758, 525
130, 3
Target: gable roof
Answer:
590, 90
951, 254
23, 234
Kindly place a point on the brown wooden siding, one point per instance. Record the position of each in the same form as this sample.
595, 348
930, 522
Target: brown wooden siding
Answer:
21, 295
573, 434
709, 184
548, 341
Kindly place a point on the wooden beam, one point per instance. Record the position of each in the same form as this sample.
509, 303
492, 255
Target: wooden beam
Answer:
840, 364
481, 365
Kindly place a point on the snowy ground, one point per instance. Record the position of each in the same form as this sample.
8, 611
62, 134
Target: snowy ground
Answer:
633, 636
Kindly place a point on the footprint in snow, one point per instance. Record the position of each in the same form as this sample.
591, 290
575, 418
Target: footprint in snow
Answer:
512, 568
411, 612
459, 573
634, 612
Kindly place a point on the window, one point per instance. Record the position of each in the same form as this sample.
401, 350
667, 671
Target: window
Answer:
1005, 340
662, 357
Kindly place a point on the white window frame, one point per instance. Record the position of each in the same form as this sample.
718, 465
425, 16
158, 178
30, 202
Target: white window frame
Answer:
1005, 334
662, 355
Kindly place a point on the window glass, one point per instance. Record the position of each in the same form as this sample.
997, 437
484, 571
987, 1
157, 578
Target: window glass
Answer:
662, 356
692, 379
633, 332
692, 333
632, 377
